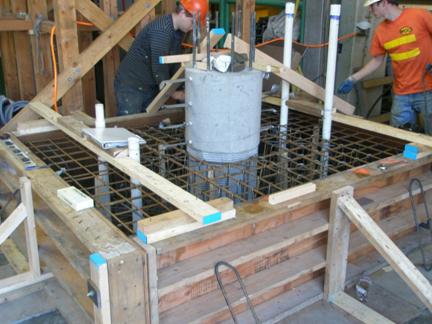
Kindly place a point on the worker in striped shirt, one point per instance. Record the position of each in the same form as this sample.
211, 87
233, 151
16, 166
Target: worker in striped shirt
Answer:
140, 73
406, 36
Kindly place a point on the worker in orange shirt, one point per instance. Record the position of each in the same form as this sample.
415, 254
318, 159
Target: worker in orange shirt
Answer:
406, 36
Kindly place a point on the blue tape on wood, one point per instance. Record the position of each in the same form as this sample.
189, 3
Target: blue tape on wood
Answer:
411, 148
161, 60
212, 218
218, 31
410, 155
142, 237
97, 259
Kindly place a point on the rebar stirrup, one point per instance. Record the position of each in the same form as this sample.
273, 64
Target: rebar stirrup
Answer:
222, 288
427, 225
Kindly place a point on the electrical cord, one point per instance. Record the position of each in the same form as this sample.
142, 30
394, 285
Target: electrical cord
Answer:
9, 108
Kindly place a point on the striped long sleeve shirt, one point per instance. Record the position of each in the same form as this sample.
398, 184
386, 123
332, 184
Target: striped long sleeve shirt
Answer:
140, 67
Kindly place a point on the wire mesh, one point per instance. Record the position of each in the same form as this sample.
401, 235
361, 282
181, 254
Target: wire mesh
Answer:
275, 168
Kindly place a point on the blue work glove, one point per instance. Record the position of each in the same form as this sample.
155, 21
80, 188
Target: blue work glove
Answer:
346, 86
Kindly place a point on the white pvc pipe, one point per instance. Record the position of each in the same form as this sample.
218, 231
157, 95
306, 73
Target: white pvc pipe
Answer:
335, 10
136, 200
289, 23
102, 182
331, 69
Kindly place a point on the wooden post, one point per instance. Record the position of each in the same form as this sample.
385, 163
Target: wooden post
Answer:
68, 53
30, 227
111, 62
23, 54
40, 45
99, 276
89, 79
337, 245
246, 7
168, 6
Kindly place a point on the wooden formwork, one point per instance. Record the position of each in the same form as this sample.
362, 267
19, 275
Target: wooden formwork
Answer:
278, 249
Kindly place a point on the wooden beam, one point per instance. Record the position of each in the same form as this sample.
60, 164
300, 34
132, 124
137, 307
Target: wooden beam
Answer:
87, 59
12, 222
42, 61
385, 246
10, 24
68, 52
358, 310
111, 62
101, 20
99, 276
246, 7
9, 64
291, 193
180, 198
168, 6
167, 91
167, 225
289, 75
337, 245
24, 58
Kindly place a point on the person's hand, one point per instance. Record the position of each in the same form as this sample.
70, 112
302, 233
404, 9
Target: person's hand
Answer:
346, 86
178, 95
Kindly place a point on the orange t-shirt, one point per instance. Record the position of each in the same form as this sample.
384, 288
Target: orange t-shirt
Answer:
408, 41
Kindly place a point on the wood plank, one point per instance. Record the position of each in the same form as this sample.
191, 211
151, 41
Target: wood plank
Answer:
373, 83
356, 121
68, 52
247, 7
89, 79
166, 92
111, 62
24, 58
99, 276
30, 227
163, 226
337, 245
358, 310
398, 261
168, 6
291, 193
180, 198
8, 24
289, 75
15, 258
9, 65
12, 222
40, 46
100, 19
88, 58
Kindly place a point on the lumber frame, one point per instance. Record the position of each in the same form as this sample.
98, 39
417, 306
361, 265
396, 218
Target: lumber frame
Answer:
289, 75
344, 210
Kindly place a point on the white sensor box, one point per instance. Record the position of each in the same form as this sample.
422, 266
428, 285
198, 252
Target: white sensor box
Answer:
75, 198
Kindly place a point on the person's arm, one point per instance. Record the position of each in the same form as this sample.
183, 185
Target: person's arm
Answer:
159, 46
369, 68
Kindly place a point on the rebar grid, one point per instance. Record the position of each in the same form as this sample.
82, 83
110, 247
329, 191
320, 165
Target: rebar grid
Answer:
274, 169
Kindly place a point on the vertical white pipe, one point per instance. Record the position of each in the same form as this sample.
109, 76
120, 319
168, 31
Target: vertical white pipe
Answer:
136, 201
289, 23
102, 182
335, 10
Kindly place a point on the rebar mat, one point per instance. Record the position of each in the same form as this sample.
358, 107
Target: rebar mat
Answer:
273, 170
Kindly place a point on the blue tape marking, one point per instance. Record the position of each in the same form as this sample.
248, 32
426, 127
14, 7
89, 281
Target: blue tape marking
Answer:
97, 259
411, 148
142, 237
410, 155
218, 31
335, 17
161, 60
212, 218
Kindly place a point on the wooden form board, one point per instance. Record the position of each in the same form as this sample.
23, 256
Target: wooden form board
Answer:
164, 226
289, 75
295, 192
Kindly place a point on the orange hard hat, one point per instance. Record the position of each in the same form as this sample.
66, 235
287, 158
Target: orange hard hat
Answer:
193, 6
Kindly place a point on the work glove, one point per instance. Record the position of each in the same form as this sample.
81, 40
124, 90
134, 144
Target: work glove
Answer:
346, 86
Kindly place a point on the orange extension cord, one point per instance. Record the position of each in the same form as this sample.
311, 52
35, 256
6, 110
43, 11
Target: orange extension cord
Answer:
54, 62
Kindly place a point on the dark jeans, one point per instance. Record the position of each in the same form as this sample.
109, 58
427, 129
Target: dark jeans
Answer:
132, 100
